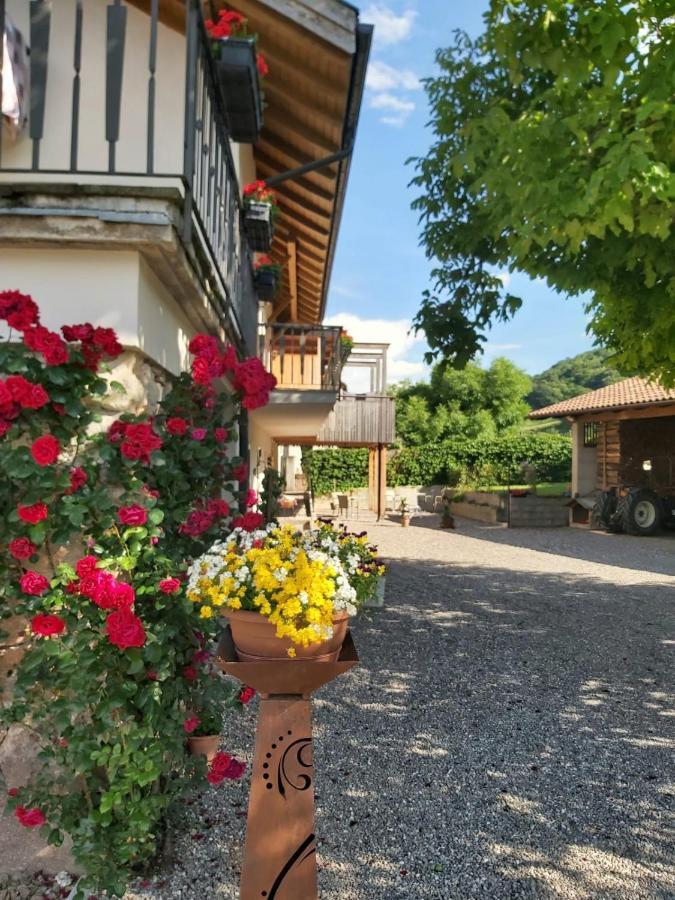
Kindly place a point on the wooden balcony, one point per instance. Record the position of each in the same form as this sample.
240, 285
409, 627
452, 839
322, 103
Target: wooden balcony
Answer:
303, 357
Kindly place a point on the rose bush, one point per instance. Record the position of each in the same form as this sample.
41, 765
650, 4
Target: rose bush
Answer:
96, 532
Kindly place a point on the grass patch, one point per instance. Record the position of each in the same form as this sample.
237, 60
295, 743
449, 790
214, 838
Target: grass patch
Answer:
555, 489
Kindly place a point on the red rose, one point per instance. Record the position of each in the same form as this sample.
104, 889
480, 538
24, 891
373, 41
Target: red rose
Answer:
32, 514
117, 431
251, 498
240, 472
78, 478
203, 344
33, 583
41, 340
4, 427
45, 450
176, 426
106, 591
151, 675
83, 332
139, 442
124, 629
200, 656
246, 694
12, 792
225, 766
189, 673
106, 340
250, 521
220, 434
19, 310
169, 585
47, 625
190, 724
219, 508
30, 818
59, 409
132, 515
198, 434
25, 393
22, 548
86, 566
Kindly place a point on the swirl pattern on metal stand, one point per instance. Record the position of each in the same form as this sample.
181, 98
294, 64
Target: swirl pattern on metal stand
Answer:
297, 752
305, 850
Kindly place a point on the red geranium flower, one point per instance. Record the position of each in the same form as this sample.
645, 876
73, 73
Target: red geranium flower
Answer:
169, 585
30, 818
261, 63
47, 625
190, 724
124, 629
132, 515
22, 548
32, 514
33, 583
176, 426
45, 450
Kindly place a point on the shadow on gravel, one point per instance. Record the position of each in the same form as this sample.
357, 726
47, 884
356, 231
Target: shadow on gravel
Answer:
652, 554
508, 734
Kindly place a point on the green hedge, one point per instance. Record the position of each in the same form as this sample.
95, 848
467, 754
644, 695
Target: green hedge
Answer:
492, 460
336, 470
497, 460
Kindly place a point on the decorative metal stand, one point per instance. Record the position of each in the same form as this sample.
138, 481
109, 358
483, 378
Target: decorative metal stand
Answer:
280, 853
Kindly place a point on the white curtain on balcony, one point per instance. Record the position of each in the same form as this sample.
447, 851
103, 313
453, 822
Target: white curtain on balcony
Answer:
14, 80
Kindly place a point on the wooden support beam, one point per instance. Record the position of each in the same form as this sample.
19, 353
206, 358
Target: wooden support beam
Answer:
292, 248
381, 480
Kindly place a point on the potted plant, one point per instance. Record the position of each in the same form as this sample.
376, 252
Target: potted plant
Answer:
346, 344
359, 558
266, 277
240, 68
214, 694
404, 509
260, 212
286, 593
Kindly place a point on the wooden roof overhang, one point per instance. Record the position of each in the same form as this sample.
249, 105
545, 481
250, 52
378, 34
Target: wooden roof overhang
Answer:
317, 52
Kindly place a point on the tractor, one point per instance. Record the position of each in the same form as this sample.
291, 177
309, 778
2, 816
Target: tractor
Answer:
640, 509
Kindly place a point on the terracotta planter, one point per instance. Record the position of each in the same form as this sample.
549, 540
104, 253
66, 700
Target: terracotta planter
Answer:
256, 638
205, 745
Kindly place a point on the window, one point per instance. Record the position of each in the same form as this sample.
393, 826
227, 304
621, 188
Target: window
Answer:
590, 434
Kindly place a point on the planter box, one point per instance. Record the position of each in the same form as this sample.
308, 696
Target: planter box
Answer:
258, 226
266, 284
377, 600
240, 87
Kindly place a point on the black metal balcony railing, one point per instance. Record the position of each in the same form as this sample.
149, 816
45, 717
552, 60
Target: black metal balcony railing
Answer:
303, 357
211, 211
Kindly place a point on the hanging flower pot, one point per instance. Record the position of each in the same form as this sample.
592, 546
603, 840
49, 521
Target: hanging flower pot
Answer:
260, 211
266, 277
240, 68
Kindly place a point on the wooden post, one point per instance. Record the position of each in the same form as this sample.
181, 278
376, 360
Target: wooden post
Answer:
381, 480
372, 479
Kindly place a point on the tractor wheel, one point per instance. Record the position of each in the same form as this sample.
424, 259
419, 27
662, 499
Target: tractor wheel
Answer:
604, 509
640, 512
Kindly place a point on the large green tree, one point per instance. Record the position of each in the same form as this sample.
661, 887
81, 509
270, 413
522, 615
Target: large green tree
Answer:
471, 402
554, 155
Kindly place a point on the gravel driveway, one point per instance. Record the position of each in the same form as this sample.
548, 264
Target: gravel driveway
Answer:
509, 733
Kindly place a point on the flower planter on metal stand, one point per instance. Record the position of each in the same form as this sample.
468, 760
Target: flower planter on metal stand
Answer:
280, 853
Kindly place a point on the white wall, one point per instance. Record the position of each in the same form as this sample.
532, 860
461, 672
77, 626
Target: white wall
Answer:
93, 148
105, 287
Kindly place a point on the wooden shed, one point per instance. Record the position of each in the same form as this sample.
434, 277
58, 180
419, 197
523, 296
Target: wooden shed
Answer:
623, 435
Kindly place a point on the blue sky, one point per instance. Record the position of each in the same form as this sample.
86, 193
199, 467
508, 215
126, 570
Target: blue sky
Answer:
380, 270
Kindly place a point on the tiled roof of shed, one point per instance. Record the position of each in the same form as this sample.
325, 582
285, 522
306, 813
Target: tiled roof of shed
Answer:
623, 394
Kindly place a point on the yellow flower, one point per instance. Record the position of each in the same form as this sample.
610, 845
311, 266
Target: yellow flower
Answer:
206, 612
291, 652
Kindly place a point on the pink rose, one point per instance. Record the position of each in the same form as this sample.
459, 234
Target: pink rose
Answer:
169, 585
198, 434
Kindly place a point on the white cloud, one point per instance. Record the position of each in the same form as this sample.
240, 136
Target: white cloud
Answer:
396, 333
504, 277
397, 109
389, 27
490, 350
383, 77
